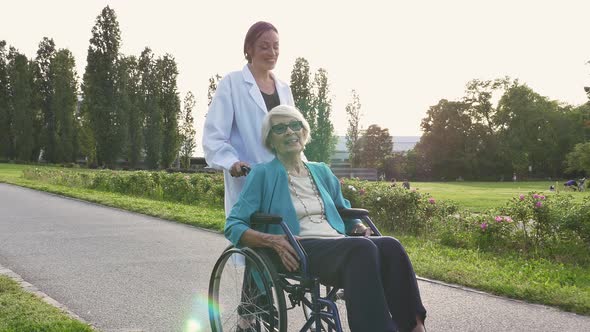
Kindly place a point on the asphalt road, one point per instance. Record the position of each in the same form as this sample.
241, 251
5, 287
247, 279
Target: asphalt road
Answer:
123, 271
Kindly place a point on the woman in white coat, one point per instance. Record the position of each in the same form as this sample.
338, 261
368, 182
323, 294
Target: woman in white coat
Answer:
231, 136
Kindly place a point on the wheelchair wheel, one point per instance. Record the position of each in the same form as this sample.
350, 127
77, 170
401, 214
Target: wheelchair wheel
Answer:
245, 294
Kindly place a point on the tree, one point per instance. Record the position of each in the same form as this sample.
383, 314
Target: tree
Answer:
376, 147
581, 115
21, 102
149, 96
353, 110
301, 89
442, 147
213, 81
44, 91
187, 131
170, 108
483, 157
63, 105
323, 141
5, 114
130, 79
578, 160
533, 131
106, 119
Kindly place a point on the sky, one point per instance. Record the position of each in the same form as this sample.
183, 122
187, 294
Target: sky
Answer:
400, 56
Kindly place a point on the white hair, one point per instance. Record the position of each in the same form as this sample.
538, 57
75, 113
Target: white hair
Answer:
284, 110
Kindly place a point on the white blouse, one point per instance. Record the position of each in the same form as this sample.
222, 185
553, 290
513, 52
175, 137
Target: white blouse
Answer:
308, 220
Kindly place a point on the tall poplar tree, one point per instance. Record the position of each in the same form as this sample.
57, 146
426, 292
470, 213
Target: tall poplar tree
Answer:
123, 102
323, 141
187, 131
44, 90
149, 96
99, 88
353, 111
63, 105
130, 74
170, 108
5, 118
21, 100
301, 89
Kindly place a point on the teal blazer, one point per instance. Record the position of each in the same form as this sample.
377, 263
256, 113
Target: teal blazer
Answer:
267, 190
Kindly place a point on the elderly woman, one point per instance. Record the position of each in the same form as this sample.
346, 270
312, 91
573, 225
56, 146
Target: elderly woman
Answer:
376, 273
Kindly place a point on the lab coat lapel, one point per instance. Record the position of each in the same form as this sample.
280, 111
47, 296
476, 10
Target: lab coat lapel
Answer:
254, 90
282, 89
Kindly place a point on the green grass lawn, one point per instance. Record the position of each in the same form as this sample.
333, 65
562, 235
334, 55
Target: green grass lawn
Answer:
540, 281
481, 196
22, 311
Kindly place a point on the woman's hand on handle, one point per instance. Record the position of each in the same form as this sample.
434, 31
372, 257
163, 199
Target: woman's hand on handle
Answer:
237, 169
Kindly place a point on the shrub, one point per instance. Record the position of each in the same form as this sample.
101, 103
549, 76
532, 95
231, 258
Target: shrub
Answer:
395, 208
174, 187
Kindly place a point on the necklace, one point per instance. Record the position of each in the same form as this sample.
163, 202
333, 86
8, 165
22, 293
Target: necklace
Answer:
317, 195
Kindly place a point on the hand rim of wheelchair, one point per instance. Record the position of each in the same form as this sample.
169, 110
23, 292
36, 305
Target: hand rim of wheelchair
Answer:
321, 310
274, 304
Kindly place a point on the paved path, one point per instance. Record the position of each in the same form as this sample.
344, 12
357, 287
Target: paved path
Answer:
127, 272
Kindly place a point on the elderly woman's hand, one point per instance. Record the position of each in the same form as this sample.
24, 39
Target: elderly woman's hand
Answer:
278, 243
283, 248
361, 230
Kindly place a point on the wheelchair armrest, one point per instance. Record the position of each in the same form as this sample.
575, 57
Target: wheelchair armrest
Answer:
265, 219
353, 213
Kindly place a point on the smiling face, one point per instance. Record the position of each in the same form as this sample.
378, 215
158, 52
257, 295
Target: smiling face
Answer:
264, 52
290, 141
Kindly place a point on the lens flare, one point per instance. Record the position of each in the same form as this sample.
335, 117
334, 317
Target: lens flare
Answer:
198, 319
193, 326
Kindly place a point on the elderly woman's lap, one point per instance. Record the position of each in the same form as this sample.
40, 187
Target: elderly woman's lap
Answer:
363, 267
329, 258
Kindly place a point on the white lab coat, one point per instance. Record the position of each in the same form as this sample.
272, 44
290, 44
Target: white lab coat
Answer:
232, 130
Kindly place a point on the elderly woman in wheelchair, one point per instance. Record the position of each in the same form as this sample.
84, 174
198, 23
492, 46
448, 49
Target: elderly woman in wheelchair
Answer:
291, 227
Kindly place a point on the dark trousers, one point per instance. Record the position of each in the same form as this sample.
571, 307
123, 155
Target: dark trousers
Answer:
376, 274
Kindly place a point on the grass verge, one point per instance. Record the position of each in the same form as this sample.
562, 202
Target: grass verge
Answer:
532, 280
23, 311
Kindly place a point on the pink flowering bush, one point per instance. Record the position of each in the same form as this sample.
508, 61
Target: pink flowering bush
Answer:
396, 208
540, 221
486, 230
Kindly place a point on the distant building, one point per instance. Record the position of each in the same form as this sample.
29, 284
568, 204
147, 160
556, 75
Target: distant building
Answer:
400, 144
340, 163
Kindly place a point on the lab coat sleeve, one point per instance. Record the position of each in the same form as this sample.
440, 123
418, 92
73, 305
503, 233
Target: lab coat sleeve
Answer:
250, 201
218, 151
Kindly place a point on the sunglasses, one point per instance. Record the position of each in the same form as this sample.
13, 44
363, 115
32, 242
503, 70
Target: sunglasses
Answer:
281, 128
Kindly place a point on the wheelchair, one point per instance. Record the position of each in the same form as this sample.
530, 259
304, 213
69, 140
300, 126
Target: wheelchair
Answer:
248, 288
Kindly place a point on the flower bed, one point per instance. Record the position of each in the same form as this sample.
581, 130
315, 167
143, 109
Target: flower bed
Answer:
554, 227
